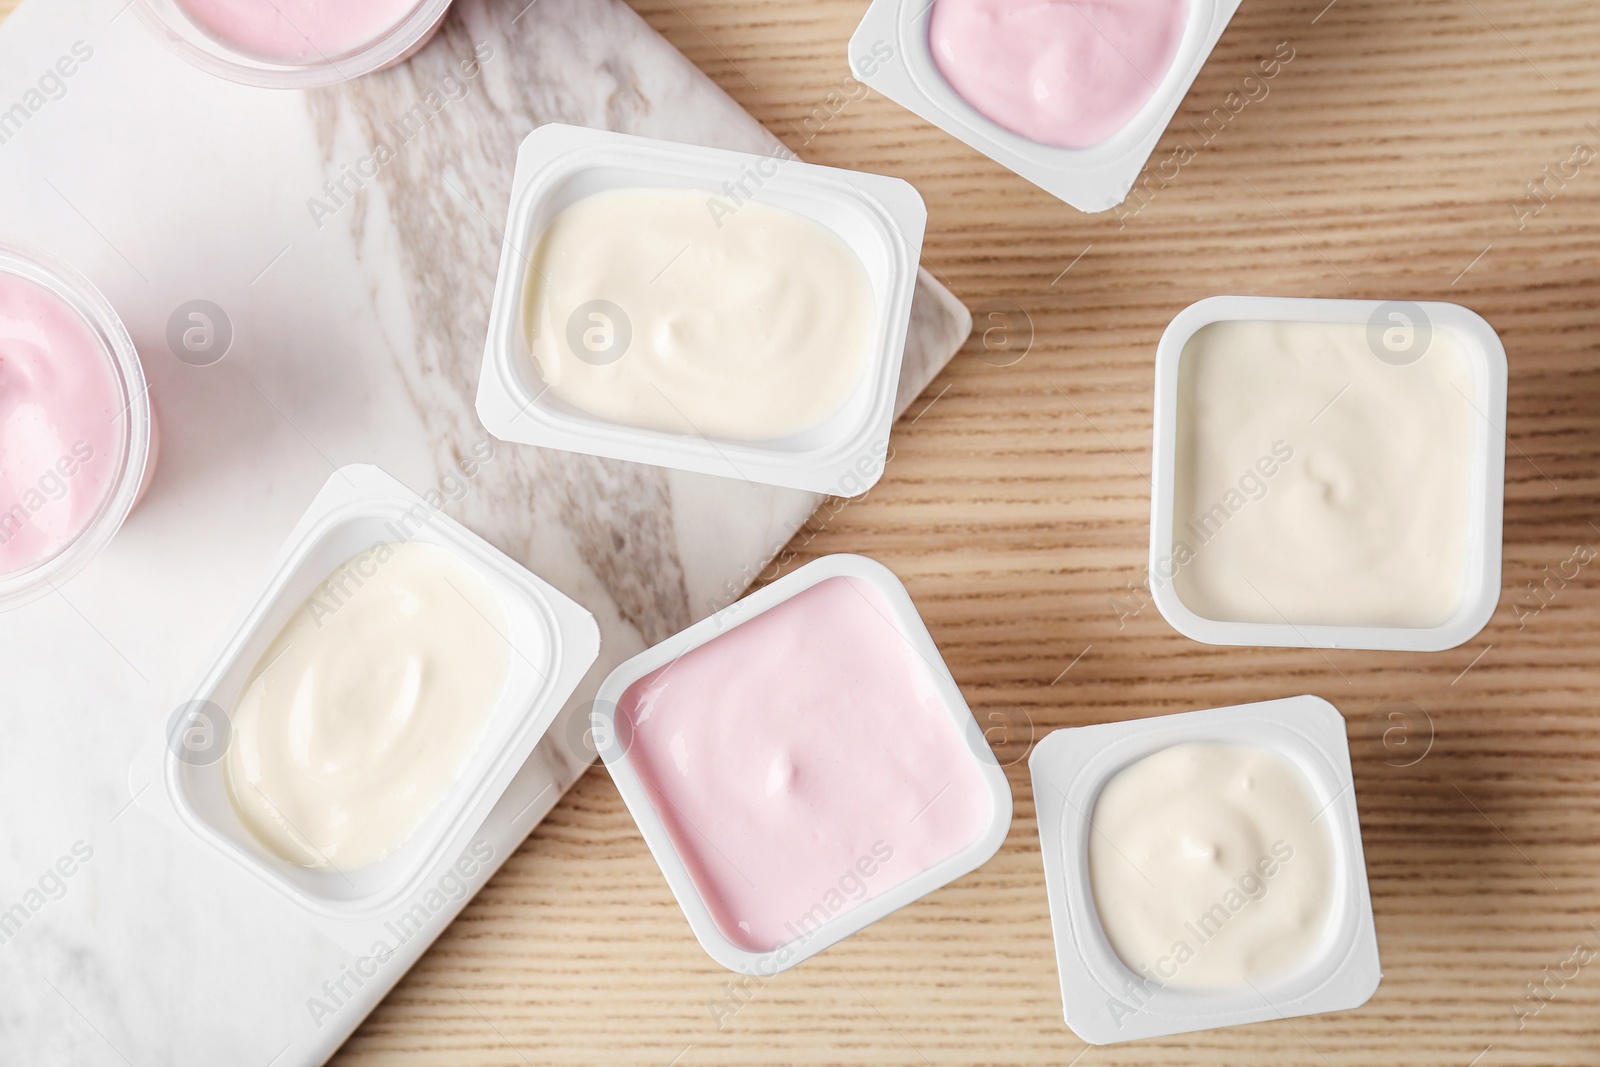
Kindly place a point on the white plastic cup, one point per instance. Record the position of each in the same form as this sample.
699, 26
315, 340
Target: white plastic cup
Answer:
1481, 579
1103, 998
890, 52
880, 218
614, 751
554, 641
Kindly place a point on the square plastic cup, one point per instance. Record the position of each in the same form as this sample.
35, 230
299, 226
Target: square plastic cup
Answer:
891, 52
614, 731
1104, 999
1399, 332
880, 219
554, 641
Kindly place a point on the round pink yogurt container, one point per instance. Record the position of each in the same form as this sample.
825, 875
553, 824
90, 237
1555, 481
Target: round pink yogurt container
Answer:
228, 39
65, 512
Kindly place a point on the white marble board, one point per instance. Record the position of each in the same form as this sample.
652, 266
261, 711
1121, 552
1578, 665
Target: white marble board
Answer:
356, 340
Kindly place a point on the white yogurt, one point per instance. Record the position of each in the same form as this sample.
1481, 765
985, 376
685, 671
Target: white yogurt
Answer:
1208, 867
1317, 483
672, 310
366, 705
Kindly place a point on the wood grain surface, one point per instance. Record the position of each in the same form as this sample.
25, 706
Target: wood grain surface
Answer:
1388, 158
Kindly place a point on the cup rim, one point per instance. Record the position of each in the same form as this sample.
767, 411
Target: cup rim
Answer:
891, 214
519, 720
659, 840
69, 285
1104, 1000
1482, 574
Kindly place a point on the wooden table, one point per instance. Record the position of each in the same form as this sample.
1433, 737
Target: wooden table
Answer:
1387, 159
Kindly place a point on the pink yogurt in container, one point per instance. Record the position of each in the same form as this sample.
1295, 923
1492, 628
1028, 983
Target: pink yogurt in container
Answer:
1072, 95
802, 764
1068, 73
294, 44
75, 423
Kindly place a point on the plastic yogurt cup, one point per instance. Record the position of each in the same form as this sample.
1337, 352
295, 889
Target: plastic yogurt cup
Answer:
801, 764
724, 209
1328, 473
77, 440
1146, 76
293, 44
551, 641
1109, 998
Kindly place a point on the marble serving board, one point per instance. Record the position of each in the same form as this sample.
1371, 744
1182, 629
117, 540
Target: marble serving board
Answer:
355, 293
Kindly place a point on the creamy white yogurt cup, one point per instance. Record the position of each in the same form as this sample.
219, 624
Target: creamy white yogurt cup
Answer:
1408, 327
890, 52
880, 219
1104, 999
553, 643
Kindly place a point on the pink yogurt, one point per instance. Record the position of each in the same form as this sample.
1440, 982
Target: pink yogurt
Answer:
60, 435
1069, 73
803, 763
297, 31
